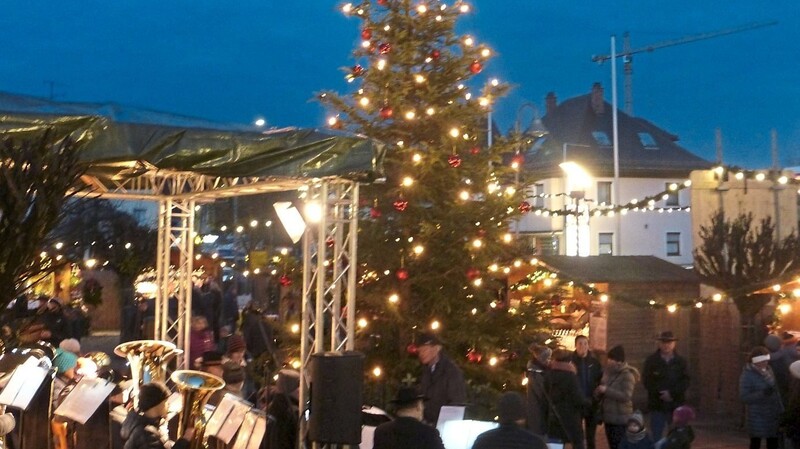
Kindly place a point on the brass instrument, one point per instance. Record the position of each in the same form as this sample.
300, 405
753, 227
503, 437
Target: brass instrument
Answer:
148, 360
196, 388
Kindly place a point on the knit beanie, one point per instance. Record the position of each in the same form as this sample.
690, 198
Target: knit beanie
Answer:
236, 343
70, 345
64, 361
510, 408
232, 373
772, 342
151, 395
683, 415
617, 353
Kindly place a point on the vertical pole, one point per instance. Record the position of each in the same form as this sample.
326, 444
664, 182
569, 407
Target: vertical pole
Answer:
489, 129
353, 269
776, 187
617, 235
718, 140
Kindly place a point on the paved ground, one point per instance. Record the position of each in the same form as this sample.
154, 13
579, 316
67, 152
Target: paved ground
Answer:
709, 435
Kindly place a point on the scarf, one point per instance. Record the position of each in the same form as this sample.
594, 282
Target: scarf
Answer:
636, 437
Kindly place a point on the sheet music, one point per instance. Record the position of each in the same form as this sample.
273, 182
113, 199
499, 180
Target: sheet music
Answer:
227, 418
449, 413
81, 403
23, 385
252, 430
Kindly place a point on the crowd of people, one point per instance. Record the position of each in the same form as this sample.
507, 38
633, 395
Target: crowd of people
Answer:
571, 393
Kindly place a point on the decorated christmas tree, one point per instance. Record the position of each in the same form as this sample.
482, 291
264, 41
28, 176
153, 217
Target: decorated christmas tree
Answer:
434, 238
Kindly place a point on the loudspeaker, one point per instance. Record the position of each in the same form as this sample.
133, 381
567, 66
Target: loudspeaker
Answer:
336, 397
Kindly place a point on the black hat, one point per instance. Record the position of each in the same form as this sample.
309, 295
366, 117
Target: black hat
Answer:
151, 395
667, 336
407, 395
510, 408
617, 353
428, 339
211, 358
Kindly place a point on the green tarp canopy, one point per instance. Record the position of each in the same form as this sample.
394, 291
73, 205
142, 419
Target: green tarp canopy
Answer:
121, 142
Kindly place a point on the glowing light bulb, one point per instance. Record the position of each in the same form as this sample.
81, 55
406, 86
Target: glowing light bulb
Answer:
394, 298
422, 9
410, 115
464, 8
464, 195
508, 238
483, 101
363, 101
435, 325
408, 181
332, 121
454, 132
761, 177
362, 323
469, 41
381, 64
430, 111
603, 298
785, 308
377, 371
419, 249
477, 282
672, 308
419, 78
493, 361
416, 158
477, 243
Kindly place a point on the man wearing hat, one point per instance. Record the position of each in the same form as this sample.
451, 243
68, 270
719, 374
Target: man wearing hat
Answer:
666, 380
140, 428
406, 431
441, 381
510, 434
282, 412
233, 375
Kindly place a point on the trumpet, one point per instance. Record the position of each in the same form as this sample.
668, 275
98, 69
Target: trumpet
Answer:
195, 388
148, 360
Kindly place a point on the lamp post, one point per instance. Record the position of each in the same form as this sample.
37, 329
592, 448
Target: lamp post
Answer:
535, 130
575, 232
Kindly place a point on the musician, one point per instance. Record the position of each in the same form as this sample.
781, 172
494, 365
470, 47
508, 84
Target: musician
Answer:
140, 430
65, 363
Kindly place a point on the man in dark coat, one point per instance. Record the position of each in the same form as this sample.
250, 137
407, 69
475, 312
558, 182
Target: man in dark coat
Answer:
442, 381
140, 430
561, 386
510, 434
538, 404
666, 380
406, 431
282, 412
589, 374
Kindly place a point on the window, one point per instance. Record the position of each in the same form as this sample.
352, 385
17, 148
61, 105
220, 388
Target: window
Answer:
538, 200
673, 243
672, 198
601, 137
648, 142
605, 243
603, 192
546, 245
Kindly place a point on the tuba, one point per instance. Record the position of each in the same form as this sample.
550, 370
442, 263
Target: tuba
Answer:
195, 388
148, 360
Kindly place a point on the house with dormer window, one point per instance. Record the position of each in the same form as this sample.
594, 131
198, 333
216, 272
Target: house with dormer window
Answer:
580, 134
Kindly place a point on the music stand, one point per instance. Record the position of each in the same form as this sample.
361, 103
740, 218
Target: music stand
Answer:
227, 417
252, 430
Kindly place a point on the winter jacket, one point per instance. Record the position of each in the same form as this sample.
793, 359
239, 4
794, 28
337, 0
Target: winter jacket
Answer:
405, 433
282, 422
536, 404
508, 436
141, 432
589, 372
760, 395
617, 402
444, 386
660, 375
561, 385
679, 438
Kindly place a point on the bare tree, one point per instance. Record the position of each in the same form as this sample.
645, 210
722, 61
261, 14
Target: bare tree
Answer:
36, 175
739, 258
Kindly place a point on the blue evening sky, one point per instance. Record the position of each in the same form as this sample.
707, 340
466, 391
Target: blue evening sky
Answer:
234, 61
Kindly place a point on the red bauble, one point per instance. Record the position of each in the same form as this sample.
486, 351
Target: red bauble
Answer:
330, 242
474, 150
383, 2
358, 70
400, 205
518, 159
384, 48
475, 67
474, 356
481, 232
473, 273
524, 207
374, 212
454, 160
386, 112
285, 280
435, 54
366, 34
412, 349
402, 274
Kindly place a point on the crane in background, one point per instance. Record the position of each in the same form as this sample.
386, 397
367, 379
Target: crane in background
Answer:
627, 53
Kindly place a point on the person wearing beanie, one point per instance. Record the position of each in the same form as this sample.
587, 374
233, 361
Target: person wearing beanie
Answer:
510, 434
211, 363
681, 434
140, 428
779, 363
666, 379
233, 375
564, 420
65, 363
537, 403
589, 372
236, 348
636, 436
758, 390
616, 393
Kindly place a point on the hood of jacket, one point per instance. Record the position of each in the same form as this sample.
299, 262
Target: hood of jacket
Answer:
563, 366
135, 420
613, 370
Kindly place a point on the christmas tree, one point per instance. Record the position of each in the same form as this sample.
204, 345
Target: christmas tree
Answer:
434, 240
